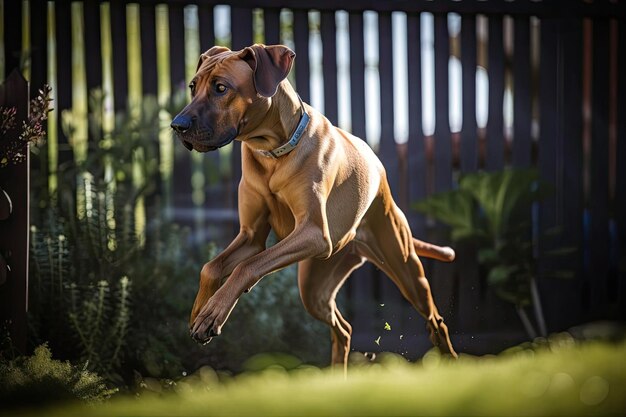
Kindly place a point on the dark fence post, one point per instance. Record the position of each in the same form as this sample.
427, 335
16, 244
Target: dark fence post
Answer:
329, 65
571, 187
521, 93
39, 75
12, 34
466, 265
560, 164
148, 49
599, 182
63, 100
495, 125
15, 180
301, 40
271, 22
469, 144
241, 29
181, 175
120, 58
441, 274
416, 159
620, 175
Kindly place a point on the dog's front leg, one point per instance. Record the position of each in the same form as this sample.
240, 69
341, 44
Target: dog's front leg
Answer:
220, 267
304, 242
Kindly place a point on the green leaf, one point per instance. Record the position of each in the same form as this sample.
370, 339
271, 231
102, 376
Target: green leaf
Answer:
500, 274
452, 208
487, 255
387, 326
505, 197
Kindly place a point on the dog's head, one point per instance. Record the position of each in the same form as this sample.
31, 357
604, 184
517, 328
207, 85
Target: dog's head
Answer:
229, 87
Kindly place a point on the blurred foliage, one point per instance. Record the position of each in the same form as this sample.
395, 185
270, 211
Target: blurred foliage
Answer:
493, 211
39, 379
559, 376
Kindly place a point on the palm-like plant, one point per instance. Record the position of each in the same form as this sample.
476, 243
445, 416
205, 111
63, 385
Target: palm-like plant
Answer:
494, 212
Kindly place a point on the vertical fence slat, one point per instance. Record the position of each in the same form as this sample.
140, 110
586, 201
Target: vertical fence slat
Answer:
12, 35
388, 151
329, 62
39, 74
443, 143
571, 202
469, 145
177, 43
206, 25
301, 40
416, 159
148, 49
241, 24
64, 74
599, 190
551, 120
271, 20
359, 287
38, 46
120, 60
521, 93
416, 166
466, 267
620, 175
495, 126
357, 74
93, 63
387, 148
440, 273
211, 160
182, 189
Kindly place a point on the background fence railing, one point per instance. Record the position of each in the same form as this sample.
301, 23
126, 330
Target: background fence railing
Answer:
542, 85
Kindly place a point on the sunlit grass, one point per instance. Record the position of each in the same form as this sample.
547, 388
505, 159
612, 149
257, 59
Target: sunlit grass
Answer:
565, 379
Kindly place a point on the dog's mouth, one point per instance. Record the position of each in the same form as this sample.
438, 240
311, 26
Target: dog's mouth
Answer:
198, 146
202, 146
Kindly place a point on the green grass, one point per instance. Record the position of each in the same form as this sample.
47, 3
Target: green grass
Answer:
563, 379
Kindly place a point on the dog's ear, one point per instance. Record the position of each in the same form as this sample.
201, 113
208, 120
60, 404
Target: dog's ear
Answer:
213, 51
271, 65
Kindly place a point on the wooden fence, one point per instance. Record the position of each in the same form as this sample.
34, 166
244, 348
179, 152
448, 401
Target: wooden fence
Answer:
568, 120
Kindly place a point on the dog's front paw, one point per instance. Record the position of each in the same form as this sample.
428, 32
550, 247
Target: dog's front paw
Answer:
209, 322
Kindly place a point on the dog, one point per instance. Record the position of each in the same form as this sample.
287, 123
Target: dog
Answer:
321, 190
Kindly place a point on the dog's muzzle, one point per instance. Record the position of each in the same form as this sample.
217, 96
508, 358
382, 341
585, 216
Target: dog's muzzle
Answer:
190, 136
181, 124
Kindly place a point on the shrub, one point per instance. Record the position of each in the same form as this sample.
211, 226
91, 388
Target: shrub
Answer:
39, 379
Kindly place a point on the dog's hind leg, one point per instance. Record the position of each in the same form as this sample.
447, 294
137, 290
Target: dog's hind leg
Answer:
319, 281
385, 240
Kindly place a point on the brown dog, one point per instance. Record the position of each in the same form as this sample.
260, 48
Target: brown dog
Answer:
322, 190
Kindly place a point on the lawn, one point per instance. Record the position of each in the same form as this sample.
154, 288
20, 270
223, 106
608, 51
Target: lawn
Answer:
560, 378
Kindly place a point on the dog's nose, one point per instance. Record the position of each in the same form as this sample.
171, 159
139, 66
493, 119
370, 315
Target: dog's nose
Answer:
181, 123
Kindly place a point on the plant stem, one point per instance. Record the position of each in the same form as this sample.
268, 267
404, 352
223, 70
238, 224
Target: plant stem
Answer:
534, 293
528, 326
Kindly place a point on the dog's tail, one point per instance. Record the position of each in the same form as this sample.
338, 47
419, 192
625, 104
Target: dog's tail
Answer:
428, 250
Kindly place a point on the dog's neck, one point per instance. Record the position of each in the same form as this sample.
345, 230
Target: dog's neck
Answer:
275, 125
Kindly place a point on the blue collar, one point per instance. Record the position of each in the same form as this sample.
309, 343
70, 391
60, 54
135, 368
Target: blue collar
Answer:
295, 138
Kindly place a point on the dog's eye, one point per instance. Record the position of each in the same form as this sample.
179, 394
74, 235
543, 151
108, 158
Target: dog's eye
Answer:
220, 88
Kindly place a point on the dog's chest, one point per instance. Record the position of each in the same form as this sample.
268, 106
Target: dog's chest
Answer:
281, 218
